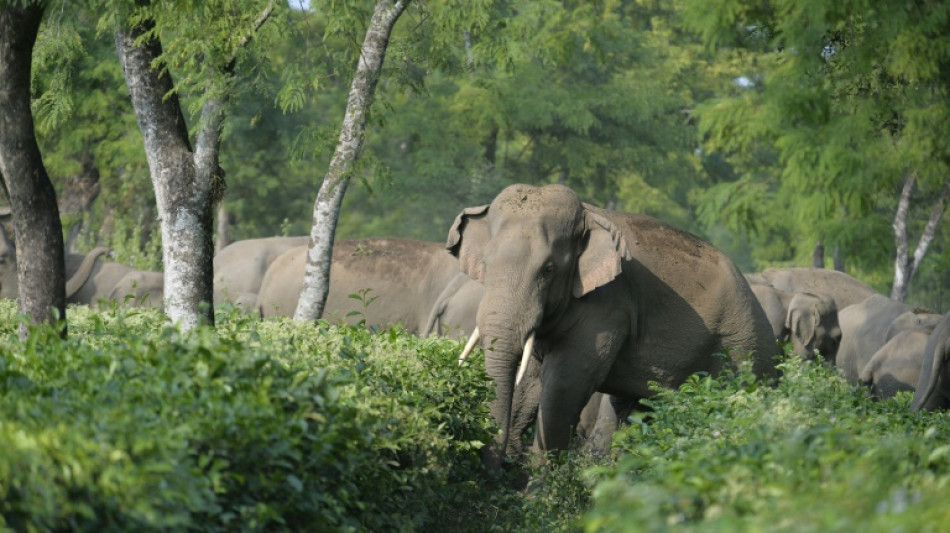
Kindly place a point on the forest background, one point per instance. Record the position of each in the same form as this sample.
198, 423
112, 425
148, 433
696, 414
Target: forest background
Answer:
764, 128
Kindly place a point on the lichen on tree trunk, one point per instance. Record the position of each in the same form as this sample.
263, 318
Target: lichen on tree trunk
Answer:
326, 209
182, 191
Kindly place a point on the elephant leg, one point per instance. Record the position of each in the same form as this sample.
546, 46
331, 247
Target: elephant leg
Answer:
607, 422
569, 377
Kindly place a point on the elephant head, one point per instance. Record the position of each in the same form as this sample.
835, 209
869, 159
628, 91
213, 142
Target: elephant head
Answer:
812, 325
534, 250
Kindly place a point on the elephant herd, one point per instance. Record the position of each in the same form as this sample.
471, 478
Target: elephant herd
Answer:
89, 279
579, 310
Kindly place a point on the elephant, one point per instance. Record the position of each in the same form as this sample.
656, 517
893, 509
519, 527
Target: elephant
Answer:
597, 423
896, 366
455, 308
404, 278
916, 318
809, 321
933, 386
598, 301
867, 325
87, 278
92, 280
843, 288
239, 268
9, 285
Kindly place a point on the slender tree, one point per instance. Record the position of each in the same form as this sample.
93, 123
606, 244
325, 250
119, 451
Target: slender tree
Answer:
326, 208
37, 227
905, 263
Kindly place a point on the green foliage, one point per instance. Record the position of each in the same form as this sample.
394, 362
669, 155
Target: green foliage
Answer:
276, 425
811, 454
842, 103
129, 426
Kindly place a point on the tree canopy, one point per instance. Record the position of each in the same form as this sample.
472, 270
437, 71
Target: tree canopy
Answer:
765, 127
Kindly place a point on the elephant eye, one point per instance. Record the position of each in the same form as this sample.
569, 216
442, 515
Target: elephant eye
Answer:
548, 269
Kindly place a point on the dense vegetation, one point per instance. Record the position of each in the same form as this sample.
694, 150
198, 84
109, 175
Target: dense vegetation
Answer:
252, 426
703, 114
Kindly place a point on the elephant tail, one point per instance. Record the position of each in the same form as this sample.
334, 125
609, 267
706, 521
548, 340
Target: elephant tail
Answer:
81, 276
434, 321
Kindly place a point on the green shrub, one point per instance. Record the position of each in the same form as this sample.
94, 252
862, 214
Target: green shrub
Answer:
811, 454
131, 425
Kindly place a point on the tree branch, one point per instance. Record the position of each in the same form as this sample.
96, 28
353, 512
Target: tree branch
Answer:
901, 263
930, 229
261, 19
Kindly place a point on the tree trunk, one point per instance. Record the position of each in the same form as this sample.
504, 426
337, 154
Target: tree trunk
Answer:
901, 264
223, 231
905, 265
838, 259
183, 197
187, 184
326, 209
37, 227
818, 256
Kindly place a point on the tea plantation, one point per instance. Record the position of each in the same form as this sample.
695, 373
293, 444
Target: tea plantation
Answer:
275, 426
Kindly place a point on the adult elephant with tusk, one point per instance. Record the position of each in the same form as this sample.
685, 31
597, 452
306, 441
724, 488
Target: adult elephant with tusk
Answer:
607, 301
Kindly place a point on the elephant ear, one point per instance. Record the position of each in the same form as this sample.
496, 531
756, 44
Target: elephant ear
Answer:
800, 323
471, 223
601, 260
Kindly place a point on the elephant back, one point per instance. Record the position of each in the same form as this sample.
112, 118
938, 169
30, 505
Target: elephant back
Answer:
845, 289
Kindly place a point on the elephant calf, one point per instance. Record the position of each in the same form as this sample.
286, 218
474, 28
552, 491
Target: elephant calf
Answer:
809, 321
896, 366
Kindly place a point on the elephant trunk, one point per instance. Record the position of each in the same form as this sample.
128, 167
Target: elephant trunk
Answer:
508, 342
79, 278
501, 365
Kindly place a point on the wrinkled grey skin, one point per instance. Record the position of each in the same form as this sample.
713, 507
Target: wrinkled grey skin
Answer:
933, 386
809, 321
866, 326
405, 278
843, 288
108, 281
615, 302
896, 366
239, 268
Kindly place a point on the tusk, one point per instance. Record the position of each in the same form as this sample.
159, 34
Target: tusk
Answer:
528, 349
469, 346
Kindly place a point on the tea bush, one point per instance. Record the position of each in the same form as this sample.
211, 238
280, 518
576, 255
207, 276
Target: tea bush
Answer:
810, 454
131, 425
279, 426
